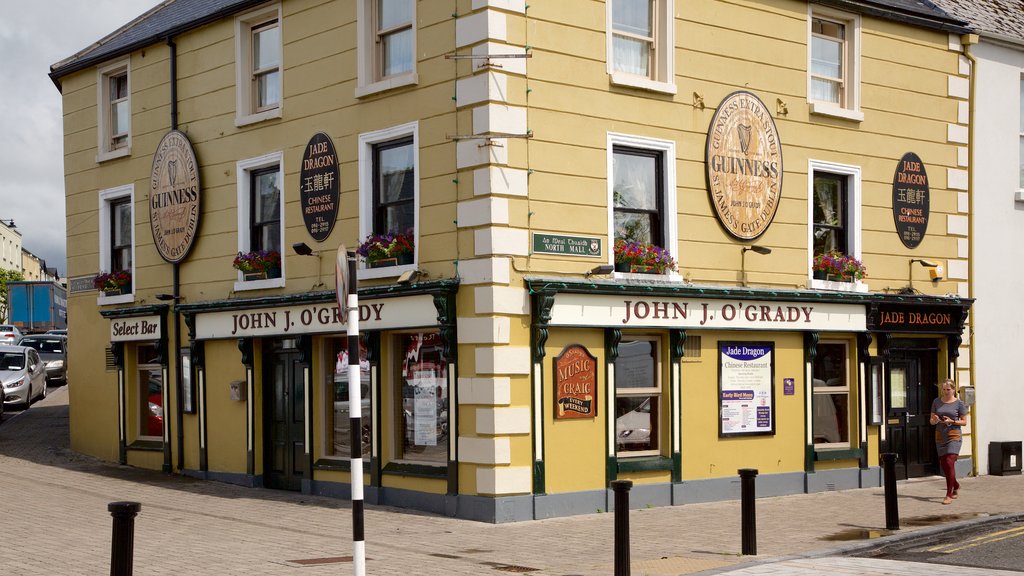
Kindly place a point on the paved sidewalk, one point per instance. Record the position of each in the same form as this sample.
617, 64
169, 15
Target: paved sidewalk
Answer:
54, 522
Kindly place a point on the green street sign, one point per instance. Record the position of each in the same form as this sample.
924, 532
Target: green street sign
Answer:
586, 246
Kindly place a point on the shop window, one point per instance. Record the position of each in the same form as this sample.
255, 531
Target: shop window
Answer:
389, 196
150, 394
337, 416
258, 65
831, 389
260, 216
422, 381
641, 43
115, 111
117, 238
387, 45
834, 215
641, 192
637, 398
833, 53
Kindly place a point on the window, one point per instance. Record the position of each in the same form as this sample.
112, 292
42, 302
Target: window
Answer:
1022, 133
422, 381
637, 398
150, 394
387, 45
115, 111
641, 44
258, 65
831, 388
834, 205
337, 417
833, 63
260, 213
641, 192
389, 191
117, 237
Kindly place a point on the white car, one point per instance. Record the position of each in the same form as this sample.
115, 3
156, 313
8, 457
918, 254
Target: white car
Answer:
22, 375
9, 334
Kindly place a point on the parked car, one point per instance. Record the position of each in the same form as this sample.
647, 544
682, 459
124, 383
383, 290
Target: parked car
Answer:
22, 375
53, 349
61, 331
9, 334
155, 409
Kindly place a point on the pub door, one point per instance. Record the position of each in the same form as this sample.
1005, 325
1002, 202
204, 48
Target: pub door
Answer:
284, 420
911, 389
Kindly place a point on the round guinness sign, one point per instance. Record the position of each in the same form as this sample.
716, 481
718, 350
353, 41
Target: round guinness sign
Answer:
174, 197
744, 165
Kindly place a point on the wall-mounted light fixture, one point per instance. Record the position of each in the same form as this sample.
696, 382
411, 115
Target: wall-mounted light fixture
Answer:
303, 249
935, 271
409, 277
763, 250
601, 270
168, 297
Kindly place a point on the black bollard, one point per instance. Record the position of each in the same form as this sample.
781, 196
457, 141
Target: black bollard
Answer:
621, 489
748, 514
123, 539
892, 509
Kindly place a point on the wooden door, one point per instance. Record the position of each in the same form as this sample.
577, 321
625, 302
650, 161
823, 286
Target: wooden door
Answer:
285, 421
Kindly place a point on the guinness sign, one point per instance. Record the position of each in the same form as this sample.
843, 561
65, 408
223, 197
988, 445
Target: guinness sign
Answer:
744, 165
174, 197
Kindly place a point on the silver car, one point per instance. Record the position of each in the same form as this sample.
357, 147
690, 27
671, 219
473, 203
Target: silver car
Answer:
22, 375
53, 350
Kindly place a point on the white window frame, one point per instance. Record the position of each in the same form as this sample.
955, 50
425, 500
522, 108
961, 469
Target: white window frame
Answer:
243, 170
852, 43
670, 219
366, 143
106, 198
245, 112
104, 120
657, 390
830, 391
853, 230
369, 81
663, 77
1020, 151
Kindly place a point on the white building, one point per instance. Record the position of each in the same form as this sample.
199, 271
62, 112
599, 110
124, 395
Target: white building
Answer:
10, 246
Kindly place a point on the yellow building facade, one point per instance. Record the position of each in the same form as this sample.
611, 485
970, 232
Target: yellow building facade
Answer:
592, 237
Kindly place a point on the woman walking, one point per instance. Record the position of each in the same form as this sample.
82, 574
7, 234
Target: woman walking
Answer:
948, 415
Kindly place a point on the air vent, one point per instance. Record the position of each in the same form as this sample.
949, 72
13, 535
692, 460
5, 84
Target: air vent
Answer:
111, 363
691, 348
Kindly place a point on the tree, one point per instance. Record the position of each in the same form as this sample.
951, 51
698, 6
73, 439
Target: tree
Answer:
5, 277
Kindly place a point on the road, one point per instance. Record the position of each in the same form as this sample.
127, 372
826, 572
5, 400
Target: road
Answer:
998, 546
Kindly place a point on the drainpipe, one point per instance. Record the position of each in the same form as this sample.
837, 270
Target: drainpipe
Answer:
969, 40
179, 419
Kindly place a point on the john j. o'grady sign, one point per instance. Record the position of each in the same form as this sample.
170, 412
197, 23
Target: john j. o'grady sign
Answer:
575, 383
910, 200
174, 197
319, 183
744, 165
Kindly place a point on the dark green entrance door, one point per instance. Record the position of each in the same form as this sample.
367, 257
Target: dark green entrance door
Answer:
284, 420
912, 377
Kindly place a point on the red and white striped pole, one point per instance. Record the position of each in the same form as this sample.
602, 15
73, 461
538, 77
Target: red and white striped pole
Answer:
348, 301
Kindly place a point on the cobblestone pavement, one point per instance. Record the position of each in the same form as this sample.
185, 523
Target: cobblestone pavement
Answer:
54, 522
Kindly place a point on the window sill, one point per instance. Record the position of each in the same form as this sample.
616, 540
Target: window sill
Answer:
645, 463
837, 286
420, 470
838, 454
385, 272
242, 285
338, 465
1019, 196
631, 81
147, 445
407, 79
670, 277
103, 300
834, 111
113, 154
246, 120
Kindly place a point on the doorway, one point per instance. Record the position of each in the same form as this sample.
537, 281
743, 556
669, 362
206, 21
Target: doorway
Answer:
911, 388
284, 413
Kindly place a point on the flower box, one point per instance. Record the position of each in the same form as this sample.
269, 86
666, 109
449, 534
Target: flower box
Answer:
113, 283
642, 258
258, 264
114, 291
837, 267
383, 250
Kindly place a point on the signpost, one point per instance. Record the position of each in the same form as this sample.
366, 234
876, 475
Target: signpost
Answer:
348, 301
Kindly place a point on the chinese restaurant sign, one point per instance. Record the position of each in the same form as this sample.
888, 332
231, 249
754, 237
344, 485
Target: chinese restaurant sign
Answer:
174, 197
910, 200
319, 183
746, 388
575, 383
744, 165
933, 319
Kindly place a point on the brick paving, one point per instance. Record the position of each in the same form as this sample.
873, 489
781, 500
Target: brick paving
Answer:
54, 521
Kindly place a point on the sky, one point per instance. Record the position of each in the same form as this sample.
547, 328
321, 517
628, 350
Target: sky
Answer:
33, 36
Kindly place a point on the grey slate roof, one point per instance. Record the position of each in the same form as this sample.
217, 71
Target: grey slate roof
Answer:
1000, 18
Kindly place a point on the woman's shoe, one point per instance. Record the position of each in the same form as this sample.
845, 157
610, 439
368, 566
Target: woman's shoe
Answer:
947, 500
956, 493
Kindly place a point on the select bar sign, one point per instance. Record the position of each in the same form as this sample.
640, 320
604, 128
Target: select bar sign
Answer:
586, 246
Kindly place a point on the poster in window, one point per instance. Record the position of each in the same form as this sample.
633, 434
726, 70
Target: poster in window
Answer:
746, 388
188, 405
875, 393
425, 409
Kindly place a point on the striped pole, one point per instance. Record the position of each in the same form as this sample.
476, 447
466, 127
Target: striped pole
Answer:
348, 301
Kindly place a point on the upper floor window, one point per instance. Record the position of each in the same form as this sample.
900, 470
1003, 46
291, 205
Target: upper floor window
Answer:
830, 210
833, 63
387, 45
258, 66
640, 44
1022, 133
115, 111
260, 215
393, 178
834, 201
389, 198
117, 238
121, 234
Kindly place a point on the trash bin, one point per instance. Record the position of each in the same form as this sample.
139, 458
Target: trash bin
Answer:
1004, 458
